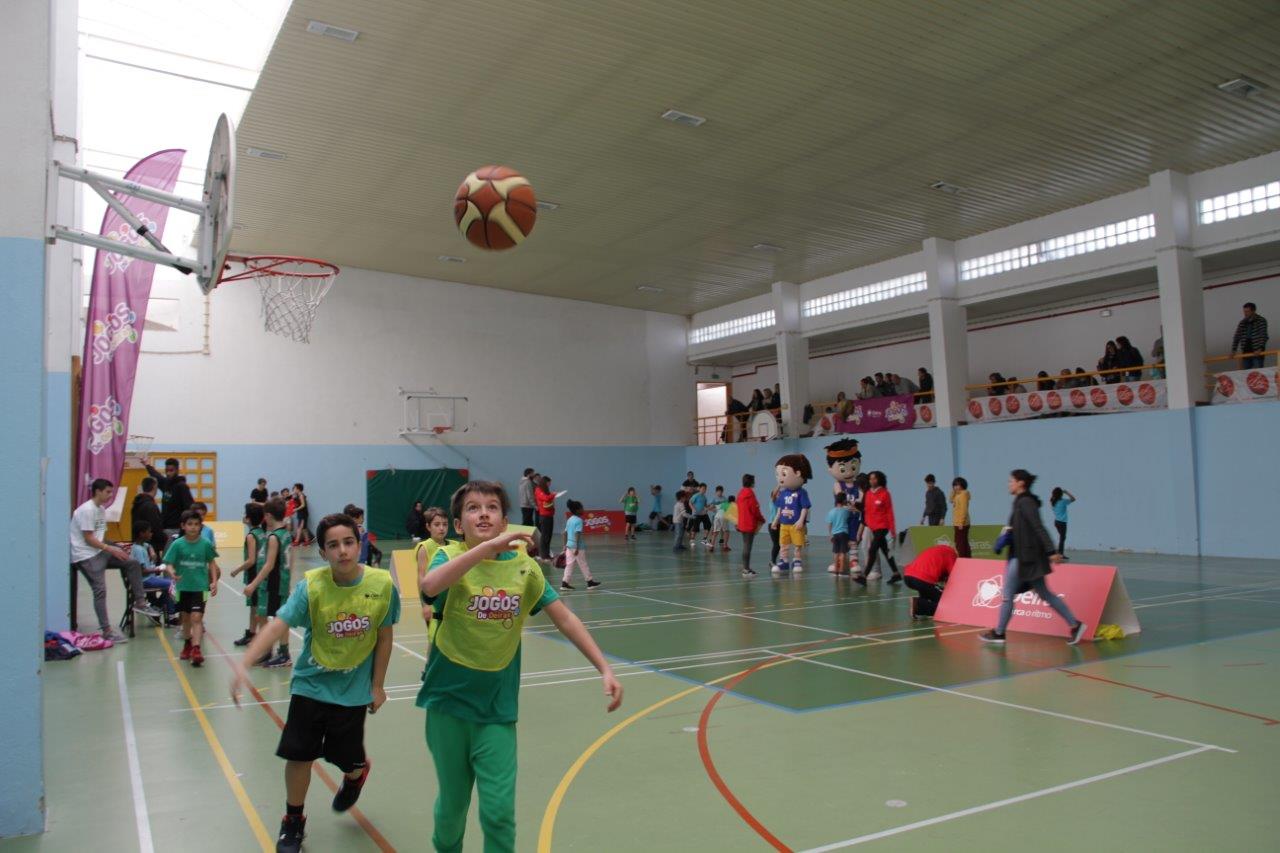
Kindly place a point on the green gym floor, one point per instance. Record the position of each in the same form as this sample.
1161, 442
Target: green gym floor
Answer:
804, 713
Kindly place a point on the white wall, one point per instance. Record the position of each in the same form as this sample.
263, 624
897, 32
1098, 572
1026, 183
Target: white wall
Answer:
537, 370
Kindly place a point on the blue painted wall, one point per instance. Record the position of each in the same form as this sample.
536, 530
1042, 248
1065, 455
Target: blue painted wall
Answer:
335, 474
57, 498
22, 326
1174, 482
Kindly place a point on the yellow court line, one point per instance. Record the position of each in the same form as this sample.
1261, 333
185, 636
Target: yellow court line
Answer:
547, 830
250, 813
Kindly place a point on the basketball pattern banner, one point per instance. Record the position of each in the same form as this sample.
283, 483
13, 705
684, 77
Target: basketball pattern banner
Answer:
1245, 386
1121, 397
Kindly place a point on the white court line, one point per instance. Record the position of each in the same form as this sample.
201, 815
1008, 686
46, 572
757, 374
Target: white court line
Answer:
730, 613
135, 767
1043, 792
976, 698
1201, 598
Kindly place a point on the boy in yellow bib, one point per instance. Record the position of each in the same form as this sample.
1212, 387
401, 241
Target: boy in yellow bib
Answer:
346, 611
484, 590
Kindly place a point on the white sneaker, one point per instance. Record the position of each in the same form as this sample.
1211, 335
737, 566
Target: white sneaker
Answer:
874, 575
114, 636
797, 566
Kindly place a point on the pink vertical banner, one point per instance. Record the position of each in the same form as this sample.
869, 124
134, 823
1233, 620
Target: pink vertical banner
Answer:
113, 328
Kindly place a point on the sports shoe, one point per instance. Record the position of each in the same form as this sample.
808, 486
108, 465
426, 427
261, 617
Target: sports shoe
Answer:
874, 575
280, 660
173, 620
567, 586
593, 583
350, 790
859, 579
148, 611
781, 568
897, 578
114, 636
725, 548
292, 830
197, 656
797, 566
1077, 634
747, 573
186, 651
246, 639
992, 637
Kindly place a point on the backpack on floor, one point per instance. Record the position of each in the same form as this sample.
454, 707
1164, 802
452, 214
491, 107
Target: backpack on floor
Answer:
57, 648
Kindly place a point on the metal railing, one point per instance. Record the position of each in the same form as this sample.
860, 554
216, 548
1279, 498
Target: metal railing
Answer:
1005, 387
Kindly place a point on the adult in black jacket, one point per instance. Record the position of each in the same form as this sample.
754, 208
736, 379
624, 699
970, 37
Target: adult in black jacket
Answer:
1127, 355
146, 509
416, 523
177, 494
1031, 560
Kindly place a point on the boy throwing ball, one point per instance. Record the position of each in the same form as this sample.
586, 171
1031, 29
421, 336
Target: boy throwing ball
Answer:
485, 589
346, 611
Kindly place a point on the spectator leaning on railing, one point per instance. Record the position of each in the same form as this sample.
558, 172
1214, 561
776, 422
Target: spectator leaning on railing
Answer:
926, 386
1127, 355
1108, 362
1250, 337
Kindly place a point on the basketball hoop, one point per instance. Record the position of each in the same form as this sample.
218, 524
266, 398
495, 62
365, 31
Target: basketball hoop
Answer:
139, 447
291, 288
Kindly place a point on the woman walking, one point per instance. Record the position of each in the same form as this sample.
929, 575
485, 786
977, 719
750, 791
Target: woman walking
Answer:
877, 515
1059, 499
1030, 561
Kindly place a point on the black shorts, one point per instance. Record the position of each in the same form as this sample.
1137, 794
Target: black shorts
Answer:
191, 602
631, 519
315, 729
839, 543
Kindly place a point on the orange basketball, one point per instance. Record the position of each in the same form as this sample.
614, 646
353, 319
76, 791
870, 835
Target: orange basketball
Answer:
495, 207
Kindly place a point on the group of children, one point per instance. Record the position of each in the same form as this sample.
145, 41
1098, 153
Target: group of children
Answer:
477, 593
694, 510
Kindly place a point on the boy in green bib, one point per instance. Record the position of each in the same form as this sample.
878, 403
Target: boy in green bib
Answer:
346, 611
254, 544
192, 559
270, 584
484, 589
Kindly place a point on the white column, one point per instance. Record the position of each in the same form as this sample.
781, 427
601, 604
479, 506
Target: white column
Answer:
1181, 290
793, 357
948, 332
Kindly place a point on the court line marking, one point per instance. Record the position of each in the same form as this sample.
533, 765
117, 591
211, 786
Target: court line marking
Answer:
246, 805
140, 815
1160, 694
729, 613
935, 689
986, 807
547, 830
377, 837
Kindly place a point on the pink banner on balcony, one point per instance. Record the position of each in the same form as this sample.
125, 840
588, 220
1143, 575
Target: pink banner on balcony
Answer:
878, 414
113, 327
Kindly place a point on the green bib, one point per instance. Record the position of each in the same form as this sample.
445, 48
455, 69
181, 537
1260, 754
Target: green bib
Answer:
345, 619
485, 610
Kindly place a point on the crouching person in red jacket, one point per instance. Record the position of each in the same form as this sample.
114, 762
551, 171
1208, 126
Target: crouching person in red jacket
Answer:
930, 568
749, 520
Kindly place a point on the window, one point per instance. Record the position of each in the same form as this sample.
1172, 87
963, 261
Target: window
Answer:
866, 294
1058, 248
750, 323
1242, 203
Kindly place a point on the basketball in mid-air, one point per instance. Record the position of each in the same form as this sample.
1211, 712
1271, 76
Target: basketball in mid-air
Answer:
495, 207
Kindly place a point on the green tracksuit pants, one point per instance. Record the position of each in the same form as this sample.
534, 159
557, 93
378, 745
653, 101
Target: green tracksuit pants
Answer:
469, 754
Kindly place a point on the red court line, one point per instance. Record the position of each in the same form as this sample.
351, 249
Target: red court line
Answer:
704, 749
1254, 663
365, 824
1161, 695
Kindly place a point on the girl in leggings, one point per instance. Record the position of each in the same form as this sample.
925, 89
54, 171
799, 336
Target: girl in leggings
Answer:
749, 520
1059, 498
877, 515
1031, 561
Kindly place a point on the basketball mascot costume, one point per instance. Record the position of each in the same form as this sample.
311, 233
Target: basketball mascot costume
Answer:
844, 462
791, 511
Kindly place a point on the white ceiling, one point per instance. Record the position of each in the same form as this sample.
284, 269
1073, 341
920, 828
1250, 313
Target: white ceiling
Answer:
826, 122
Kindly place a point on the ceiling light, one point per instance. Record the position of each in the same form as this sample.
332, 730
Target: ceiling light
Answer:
687, 119
1241, 86
648, 288
264, 154
766, 247
451, 259
943, 186
340, 33
548, 205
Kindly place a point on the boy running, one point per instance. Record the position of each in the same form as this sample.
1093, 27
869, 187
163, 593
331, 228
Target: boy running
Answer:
346, 611
193, 561
273, 577
485, 590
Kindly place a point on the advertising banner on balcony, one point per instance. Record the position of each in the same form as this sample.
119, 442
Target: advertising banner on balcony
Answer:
1120, 397
1245, 386
877, 415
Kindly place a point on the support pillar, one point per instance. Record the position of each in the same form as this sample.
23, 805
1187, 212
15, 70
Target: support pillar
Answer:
1181, 290
793, 357
948, 332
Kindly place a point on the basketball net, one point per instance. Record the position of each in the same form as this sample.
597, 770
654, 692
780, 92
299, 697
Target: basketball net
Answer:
291, 290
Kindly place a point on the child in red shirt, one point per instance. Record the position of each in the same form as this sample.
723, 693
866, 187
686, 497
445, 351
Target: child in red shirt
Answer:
930, 568
749, 520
